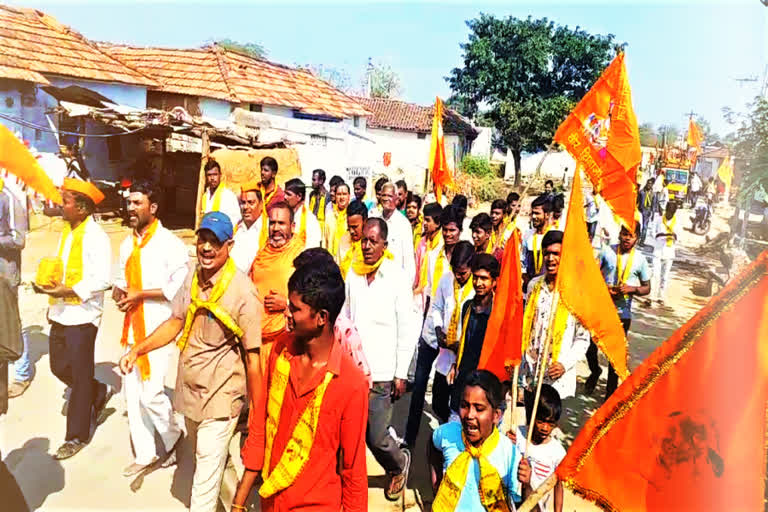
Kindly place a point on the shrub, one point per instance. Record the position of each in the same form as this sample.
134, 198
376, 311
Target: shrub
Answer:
477, 166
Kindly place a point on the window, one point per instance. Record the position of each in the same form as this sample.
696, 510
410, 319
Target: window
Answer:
421, 135
318, 140
254, 107
356, 121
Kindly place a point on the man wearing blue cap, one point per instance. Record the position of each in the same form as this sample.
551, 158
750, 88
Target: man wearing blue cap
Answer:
218, 315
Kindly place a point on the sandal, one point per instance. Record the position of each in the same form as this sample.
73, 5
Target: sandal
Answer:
69, 449
396, 484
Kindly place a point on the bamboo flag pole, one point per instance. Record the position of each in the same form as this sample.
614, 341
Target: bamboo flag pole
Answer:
534, 499
509, 421
550, 149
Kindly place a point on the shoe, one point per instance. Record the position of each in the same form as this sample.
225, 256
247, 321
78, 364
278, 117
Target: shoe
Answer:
100, 405
136, 468
591, 382
397, 483
170, 461
18, 388
69, 449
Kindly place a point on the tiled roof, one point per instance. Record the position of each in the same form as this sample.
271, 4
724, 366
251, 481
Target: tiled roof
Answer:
399, 115
215, 72
33, 44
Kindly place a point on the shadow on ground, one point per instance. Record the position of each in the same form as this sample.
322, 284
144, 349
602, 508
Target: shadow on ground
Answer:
32, 458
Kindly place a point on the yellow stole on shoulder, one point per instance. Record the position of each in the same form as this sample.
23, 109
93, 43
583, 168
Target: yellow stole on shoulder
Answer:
73, 271
561, 321
493, 496
435, 244
339, 229
354, 253
459, 296
418, 231
212, 304
265, 199
361, 268
299, 446
670, 227
538, 254
216, 199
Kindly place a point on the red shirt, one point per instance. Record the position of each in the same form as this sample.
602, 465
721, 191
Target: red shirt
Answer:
340, 437
277, 197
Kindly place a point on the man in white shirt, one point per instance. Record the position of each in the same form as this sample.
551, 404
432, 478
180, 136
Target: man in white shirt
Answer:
695, 187
153, 267
251, 228
217, 197
77, 302
666, 230
306, 222
380, 304
560, 372
400, 235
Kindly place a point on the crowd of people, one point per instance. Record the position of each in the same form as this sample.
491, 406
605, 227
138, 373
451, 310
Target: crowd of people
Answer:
309, 314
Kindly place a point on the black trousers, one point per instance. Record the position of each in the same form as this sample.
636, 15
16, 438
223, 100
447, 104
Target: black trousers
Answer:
441, 396
71, 358
594, 366
426, 356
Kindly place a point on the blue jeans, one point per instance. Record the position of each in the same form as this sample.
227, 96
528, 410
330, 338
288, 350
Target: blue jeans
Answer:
23, 366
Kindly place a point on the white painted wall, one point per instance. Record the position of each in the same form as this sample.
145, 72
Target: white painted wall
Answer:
122, 94
215, 109
554, 165
481, 146
277, 110
11, 104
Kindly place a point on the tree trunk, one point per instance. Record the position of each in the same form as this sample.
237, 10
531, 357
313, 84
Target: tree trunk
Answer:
516, 154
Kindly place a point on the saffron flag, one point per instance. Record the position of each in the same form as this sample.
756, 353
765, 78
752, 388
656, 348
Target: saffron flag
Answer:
725, 171
582, 287
601, 133
17, 160
695, 137
687, 430
438, 164
502, 343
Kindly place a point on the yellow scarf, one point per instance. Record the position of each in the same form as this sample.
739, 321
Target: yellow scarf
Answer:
648, 199
493, 496
435, 244
354, 253
212, 304
216, 199
498, 238
538, 256
303, 221
418, 231
623, 272
670, 227
320, 209
561, 321
73, 272
135, 317
361, 268
299, 446
265, 199
459, 296
339, 229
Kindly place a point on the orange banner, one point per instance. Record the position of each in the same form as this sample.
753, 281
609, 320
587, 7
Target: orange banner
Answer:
582, 287
687, 430
601, 133
502, 343
438, 164
695, 137
17, 160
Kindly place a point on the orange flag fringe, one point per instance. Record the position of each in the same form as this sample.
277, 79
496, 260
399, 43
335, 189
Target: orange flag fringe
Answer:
601, 133
438, 164
17, 160
502, 343
582, 287
695, 137
687, 430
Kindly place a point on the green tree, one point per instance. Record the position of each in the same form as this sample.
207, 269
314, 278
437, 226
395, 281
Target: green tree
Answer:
648, 135
668, 134
751, 145
385, 82
528, 74
710, 137
253, 49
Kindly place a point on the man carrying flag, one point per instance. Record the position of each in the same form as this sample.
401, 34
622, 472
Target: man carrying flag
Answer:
153, 264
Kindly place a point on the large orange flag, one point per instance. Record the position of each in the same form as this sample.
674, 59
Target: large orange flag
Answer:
695, 137
438, 164
502, 343
601, 133
17, 160
687, 430
582, 287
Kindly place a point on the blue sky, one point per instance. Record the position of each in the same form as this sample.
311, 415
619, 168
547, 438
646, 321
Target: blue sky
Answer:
680, 55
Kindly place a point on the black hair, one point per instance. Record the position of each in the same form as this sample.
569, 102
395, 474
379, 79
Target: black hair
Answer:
84, 202
553, 236
558, 203
460, 201
148, 189
360, 180
435, 211
336, 180
320, 173
413, 198
499, 204
380, 183
671, 207
254, 190
357, 208
542, 202
487, 262
314, 255
379, 222
320, 288
401, 184
482, 221
462, 254
296, 186
549, 182
452, 213
269, 162
489, 383
513, 196
550, 406
211, 164
283, 205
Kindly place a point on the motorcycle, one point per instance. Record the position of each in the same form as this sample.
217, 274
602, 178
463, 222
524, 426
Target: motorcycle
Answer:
702, 219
